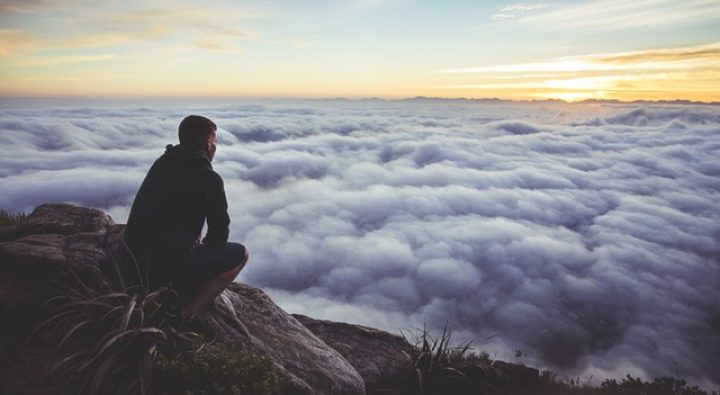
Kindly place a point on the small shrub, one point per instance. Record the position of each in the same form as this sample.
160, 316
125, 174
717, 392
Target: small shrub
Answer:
227, 371
11, 219
108, 335
441, 368
112, 338
629, 385
660, 386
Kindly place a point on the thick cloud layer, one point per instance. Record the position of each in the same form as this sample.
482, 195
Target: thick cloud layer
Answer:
587, 235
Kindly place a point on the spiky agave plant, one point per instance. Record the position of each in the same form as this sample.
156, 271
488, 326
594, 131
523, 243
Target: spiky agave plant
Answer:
439, 366
114, 334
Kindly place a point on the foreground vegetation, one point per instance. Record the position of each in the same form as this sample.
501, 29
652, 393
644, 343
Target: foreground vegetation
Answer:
459, 370
227, 370
119, 338
627, 386
7, 218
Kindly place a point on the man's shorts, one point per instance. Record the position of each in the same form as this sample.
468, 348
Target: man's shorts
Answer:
207, 262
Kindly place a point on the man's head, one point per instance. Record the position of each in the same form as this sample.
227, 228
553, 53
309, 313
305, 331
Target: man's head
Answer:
199, 132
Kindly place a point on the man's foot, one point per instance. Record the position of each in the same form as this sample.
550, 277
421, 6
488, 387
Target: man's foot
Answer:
189, 313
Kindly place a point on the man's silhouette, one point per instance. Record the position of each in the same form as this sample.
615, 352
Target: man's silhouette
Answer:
179, 194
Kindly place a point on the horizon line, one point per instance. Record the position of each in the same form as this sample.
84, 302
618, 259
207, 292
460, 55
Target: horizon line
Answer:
343, 98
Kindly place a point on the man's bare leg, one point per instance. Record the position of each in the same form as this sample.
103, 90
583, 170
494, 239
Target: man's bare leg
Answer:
210, 290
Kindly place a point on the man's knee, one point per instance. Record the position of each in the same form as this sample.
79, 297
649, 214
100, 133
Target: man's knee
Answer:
242, 262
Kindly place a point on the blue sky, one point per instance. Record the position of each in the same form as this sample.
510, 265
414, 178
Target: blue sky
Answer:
360, 48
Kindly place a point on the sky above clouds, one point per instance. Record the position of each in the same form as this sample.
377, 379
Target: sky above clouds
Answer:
570, 50
585, 235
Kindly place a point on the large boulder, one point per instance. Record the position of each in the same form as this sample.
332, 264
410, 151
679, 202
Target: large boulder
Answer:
57, 237
51, 239
309, 365
383, 359
61, 219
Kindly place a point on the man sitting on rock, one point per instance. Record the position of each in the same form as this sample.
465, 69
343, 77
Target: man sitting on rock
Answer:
180, 192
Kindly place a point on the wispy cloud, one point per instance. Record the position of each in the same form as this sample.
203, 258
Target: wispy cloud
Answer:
11, 40
53, 60
522, 7
23, 6
620, 14
509, 12
216, 43
502, 17
655, 59
102, 40
97, 27
648, 70
77, 35
709, 52
157, 23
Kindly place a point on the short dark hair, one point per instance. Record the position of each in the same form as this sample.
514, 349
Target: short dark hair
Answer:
195, 130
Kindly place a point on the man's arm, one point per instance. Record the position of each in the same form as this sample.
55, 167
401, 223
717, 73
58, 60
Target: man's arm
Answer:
218, 220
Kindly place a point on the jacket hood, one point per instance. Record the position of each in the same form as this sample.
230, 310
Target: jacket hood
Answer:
187, 153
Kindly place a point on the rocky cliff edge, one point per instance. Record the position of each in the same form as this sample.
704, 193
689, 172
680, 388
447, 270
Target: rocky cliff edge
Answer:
310, 356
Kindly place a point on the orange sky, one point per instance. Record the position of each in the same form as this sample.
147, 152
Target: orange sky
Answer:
570, 50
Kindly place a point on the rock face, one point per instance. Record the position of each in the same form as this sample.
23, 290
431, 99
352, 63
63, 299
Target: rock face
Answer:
59, 219
381, 358
55, 237
304, 360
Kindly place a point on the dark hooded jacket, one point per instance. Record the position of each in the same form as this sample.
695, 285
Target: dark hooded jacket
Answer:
180, 192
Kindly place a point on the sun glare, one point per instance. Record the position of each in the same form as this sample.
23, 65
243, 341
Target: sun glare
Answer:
574, 96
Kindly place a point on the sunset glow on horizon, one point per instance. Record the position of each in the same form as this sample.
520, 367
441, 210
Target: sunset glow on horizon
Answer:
569, 50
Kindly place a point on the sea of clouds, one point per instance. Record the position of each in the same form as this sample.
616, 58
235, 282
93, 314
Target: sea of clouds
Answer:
580, 237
